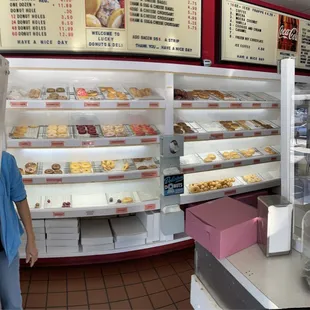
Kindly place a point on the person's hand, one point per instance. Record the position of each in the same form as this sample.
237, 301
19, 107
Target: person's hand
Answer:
31, 252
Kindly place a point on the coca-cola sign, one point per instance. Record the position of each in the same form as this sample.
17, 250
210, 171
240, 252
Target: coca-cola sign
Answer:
290, 34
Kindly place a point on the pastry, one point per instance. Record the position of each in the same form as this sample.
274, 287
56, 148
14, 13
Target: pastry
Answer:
49, 171
58, 172
92, 6
30, 170
140, 93
251, 178
56, 167
211, 185
127, 200
60, 90
37, 206
31, 165
50, 90
269, 150
34, 93
142, 167
125, 166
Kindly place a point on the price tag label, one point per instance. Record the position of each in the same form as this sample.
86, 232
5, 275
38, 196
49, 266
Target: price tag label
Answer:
27, 181
275, 105
213, 105
190, 138
122, 105
149, 140
19, 104
236, 105
121, 210
217, 136
52, 105
54, 180
256, 161
188, 170
150, 207
154, 105
238, 164
231, 192
25, 144
186, 105
256, 105
219, 166
95, 104
148, 175
257, 133
59, 214
57, 144
88, 143
239, 134
275, 132
117, 142
273, 158
116, 177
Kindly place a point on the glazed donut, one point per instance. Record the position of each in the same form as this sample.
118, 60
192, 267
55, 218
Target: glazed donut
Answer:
127, 200
74, 166
49, 171
62, 127
56, 167
75, 171
194, 189
51, 136
62, 131
85, 165
31, 165
52, 127
30, 170
86, 170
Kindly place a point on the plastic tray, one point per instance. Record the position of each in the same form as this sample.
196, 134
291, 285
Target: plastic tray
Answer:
204, 157
118, 198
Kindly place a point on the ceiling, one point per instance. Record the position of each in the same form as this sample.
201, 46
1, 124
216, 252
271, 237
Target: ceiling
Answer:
296, 5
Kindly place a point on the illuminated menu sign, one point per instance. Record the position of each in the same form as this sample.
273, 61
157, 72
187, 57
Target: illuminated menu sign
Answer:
254, 34
162, 27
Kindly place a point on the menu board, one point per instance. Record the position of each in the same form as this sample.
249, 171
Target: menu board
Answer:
162, 27
254, 34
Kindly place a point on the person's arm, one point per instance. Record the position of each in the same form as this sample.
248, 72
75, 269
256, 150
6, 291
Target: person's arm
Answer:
19, 196
25, 216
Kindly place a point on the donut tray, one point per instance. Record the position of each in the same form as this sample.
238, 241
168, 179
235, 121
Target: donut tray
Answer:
17, 93
257, 152
230, 151
212, 127
43, 133
117, 198
132, 133
31, 133
87, 135
67, 168
190, 160
264, 152
64, 167
205, 155
260, 177
87, 97
154, 96
249, 125
56, 202
119, 165
147, 196
145, 164
116, 88
66, 93
38, 170
111, 133
247, 96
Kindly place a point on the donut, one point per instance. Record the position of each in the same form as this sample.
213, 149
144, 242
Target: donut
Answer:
56, 167
212, 156
31, 165
52, 127
30, 170
74, 166
194, 189
58, 172
127, 200
49, 171
51, 135
62, 130
63, 135
85, 165
86, 170
75, 171
50, 90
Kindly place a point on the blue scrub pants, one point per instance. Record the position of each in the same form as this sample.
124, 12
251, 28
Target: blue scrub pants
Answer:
10, 294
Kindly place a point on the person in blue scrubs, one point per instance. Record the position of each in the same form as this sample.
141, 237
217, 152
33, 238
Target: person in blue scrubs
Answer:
12, 191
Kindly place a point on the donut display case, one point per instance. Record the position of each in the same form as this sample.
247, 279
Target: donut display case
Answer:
86, 135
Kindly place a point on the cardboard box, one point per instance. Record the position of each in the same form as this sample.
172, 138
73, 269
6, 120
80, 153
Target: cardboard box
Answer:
250, 198
62, 223
98, 248
96, 232
63, 236
59, 251
62, 243
62, 230
147, 219
224, 226
129, 244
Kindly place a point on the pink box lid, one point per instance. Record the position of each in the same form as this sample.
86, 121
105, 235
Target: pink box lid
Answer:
223, 213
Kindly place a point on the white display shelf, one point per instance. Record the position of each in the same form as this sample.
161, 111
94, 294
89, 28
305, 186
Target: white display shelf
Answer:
105, 210
208, 104
231, 134
71, 143
115, 251
187, 198
85, 105
224, 164
93, 177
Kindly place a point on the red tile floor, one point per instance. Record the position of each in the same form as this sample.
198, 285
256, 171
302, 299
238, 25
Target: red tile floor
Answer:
158, 282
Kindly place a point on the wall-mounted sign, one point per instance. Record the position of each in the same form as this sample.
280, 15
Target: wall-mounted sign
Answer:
254, 34
162, 27
173, 185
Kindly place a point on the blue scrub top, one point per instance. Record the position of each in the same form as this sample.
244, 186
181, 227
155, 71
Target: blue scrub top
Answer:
11, 190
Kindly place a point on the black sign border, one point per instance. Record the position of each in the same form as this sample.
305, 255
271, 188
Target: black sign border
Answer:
102, 55
219, 27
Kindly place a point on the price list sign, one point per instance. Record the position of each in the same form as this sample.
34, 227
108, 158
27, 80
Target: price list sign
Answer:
253, 34
164, 27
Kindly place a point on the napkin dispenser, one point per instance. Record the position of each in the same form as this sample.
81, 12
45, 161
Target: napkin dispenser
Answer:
274, 225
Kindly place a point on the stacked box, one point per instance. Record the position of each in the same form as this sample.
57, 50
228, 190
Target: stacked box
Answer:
96, 235
40, 236
63, 236
147, 220
128, 232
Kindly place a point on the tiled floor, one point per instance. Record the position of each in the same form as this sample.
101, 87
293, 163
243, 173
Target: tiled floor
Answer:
158, 282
